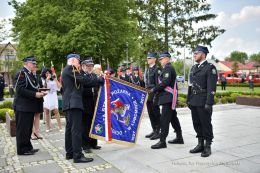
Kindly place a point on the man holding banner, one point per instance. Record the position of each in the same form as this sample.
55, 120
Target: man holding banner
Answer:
167, 90
90, 93
72, 82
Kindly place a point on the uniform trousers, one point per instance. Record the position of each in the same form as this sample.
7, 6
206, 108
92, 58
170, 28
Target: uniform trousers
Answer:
168, 115
86, 125
202, 122
154, 114
24, 124
73, 133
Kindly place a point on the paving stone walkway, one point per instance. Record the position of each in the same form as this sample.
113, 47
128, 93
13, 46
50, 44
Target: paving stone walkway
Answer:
235, 149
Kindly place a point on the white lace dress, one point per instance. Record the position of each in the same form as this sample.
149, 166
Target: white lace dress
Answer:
51, 99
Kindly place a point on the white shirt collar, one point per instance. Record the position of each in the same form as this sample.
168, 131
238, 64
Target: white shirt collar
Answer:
201, 63
152, 65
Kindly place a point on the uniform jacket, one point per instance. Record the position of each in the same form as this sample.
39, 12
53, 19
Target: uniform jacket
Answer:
167, 78
125, 78
203, 85
90, 92
26, 88
151, 79
136, 80
72, 85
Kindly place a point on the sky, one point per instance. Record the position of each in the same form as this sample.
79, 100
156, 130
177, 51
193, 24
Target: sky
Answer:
240, 18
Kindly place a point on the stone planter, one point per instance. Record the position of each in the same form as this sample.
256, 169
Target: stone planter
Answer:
250, 101
10, 125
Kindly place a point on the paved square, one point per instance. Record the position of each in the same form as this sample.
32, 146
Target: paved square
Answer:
235, 148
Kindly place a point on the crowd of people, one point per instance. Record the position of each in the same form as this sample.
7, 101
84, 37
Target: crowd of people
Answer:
81, 80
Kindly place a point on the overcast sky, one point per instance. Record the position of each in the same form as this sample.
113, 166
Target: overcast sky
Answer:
240, 18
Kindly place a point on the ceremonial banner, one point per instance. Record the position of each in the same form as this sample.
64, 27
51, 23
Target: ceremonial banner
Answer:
118, 112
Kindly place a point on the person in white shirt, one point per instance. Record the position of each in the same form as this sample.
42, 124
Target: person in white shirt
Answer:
51, 99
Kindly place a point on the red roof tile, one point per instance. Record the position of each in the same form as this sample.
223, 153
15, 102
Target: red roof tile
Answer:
247, 66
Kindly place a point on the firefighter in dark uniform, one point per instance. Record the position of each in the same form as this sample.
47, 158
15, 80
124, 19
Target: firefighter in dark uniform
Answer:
2, 87
166, 80
72, 82
135, 77
151, 80
124, 76
90, 93
203, 79
26, 104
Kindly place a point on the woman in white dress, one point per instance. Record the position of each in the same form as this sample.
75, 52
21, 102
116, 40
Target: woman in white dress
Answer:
51, 99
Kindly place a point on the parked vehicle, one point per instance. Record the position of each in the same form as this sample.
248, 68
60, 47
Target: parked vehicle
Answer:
231, 77
255, 77
180, 79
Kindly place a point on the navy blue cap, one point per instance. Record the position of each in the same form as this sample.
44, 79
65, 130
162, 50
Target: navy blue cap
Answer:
202, 49
88, 60
30, 59
73, 55
165, 54
151, 55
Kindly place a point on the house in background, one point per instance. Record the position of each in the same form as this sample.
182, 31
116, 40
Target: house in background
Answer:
250, 67
7, 56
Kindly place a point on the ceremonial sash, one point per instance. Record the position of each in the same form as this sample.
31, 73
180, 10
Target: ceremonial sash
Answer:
173, 91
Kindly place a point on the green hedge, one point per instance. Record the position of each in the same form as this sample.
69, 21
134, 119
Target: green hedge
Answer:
3, 113
220, 97
240, 85
6, 104
182, 102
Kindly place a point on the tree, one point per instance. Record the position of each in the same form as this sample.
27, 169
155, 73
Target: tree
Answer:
173, 22
238, 56
52, 29
3, 31
178, 66
255, 57
235, 67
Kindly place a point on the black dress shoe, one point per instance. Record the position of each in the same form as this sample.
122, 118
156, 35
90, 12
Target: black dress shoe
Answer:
156, 135
197, 149
149, 135
69, 156
96, 147
176, 141
34, 150
159, 145
206, 152
82, 159
27, 153
207, 149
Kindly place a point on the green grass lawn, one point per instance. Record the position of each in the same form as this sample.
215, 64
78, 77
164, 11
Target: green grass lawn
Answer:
256, 89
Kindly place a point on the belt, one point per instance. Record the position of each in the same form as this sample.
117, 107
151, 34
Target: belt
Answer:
198, 91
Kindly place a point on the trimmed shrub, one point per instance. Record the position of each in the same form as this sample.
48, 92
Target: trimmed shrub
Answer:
181, 102
3, 113
6, 91
216, 100
182, 95
240, 85
223, 100
231, 99
6, 104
